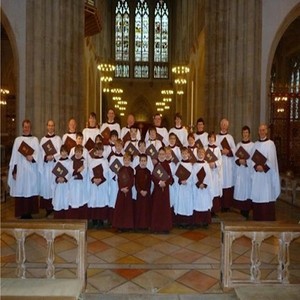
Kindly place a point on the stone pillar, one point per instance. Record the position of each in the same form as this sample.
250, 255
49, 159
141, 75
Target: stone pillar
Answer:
233, 39
55, 63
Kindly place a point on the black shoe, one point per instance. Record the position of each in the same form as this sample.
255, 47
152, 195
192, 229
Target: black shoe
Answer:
224, 209
26, 216
245, 214
49, 212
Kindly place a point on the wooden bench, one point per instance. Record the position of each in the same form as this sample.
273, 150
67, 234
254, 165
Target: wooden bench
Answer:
49, 287
257, 232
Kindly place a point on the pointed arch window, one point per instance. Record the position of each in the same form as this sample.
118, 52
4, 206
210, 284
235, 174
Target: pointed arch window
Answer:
295, 89
142, 39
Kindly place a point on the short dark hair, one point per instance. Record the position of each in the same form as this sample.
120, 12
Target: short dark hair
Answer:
246, 128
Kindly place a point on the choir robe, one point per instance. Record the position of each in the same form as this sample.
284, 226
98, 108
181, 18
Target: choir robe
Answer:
228, 169
243, 179
176, 151
181, 134
90, 133
26, 186
157, 144
161, 215
45, 169
126, 129
112, 126
202, 198
98, 194
184, 193
78, 192
265, 185
136, 161
61, 191
217, 178
173, 185
142, 203
109, 150
202, 136
113, 180
123, 217
161, 131
71, 135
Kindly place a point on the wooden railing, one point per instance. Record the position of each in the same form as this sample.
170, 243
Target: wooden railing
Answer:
257, 232
49, 230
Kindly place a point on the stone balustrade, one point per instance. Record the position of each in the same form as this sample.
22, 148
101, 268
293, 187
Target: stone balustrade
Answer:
41, 288
257, 232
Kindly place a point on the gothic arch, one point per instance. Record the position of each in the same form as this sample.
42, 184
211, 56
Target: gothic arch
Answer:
142, 109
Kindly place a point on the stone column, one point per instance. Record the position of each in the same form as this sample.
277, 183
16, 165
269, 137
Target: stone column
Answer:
55, 63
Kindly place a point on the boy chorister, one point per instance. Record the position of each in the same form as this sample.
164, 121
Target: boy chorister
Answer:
183, 206
98, 187
123, 218
78, 185
61, 191
109, 149
202, 190
161, 215
142, 150
117, 157
217, 173
143, 199
79, 141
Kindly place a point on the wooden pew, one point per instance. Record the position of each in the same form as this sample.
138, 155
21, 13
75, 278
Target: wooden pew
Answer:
48, 288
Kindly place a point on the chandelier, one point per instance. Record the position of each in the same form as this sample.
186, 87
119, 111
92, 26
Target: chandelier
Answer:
4, 93
180, 78
107, 71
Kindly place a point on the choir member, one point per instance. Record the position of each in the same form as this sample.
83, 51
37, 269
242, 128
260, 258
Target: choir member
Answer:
109, 149
142, 150
180, 131
79, 141
90, 132
61, 191
202, 190
162, 132
111, 124
217, 173
98, 187
123, 218
153, 140
143, 199
183, 204
161, 215
243, 174
173, 145
50, 150
133, 140
200, 134
23, 176
265, 180
226, 143
78, 185
69, 138
125, 135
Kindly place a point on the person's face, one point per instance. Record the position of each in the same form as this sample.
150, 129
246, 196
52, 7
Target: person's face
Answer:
50, 127
113, 138
262, 131
92, 121
172, 140
143, 162
211, 140
26, 128
119, 147
79, 140
157, 120
177, 122
130, 120
224, 125
97, 153
98, 139
111, 115
133, 133
142, 147
200, 126
72, 125
246, 135
78, 154
161, 155
168, 154
152, 134
126, 161
185, 155
64, 154
201, 154
191, 141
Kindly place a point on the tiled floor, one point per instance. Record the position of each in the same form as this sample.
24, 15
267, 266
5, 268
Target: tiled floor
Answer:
184, 262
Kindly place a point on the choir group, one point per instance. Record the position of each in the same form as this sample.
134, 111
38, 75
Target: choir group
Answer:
113, 176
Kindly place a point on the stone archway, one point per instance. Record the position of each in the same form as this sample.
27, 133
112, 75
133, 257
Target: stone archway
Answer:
9, 81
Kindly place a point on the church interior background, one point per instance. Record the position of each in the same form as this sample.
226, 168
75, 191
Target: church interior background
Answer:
203, 58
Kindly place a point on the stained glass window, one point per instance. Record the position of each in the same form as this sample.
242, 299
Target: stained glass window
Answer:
136, 45
122, 42
295, 90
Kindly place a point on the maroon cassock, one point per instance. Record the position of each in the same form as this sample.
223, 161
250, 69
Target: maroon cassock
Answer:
161, 215
142, 203
123, 213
